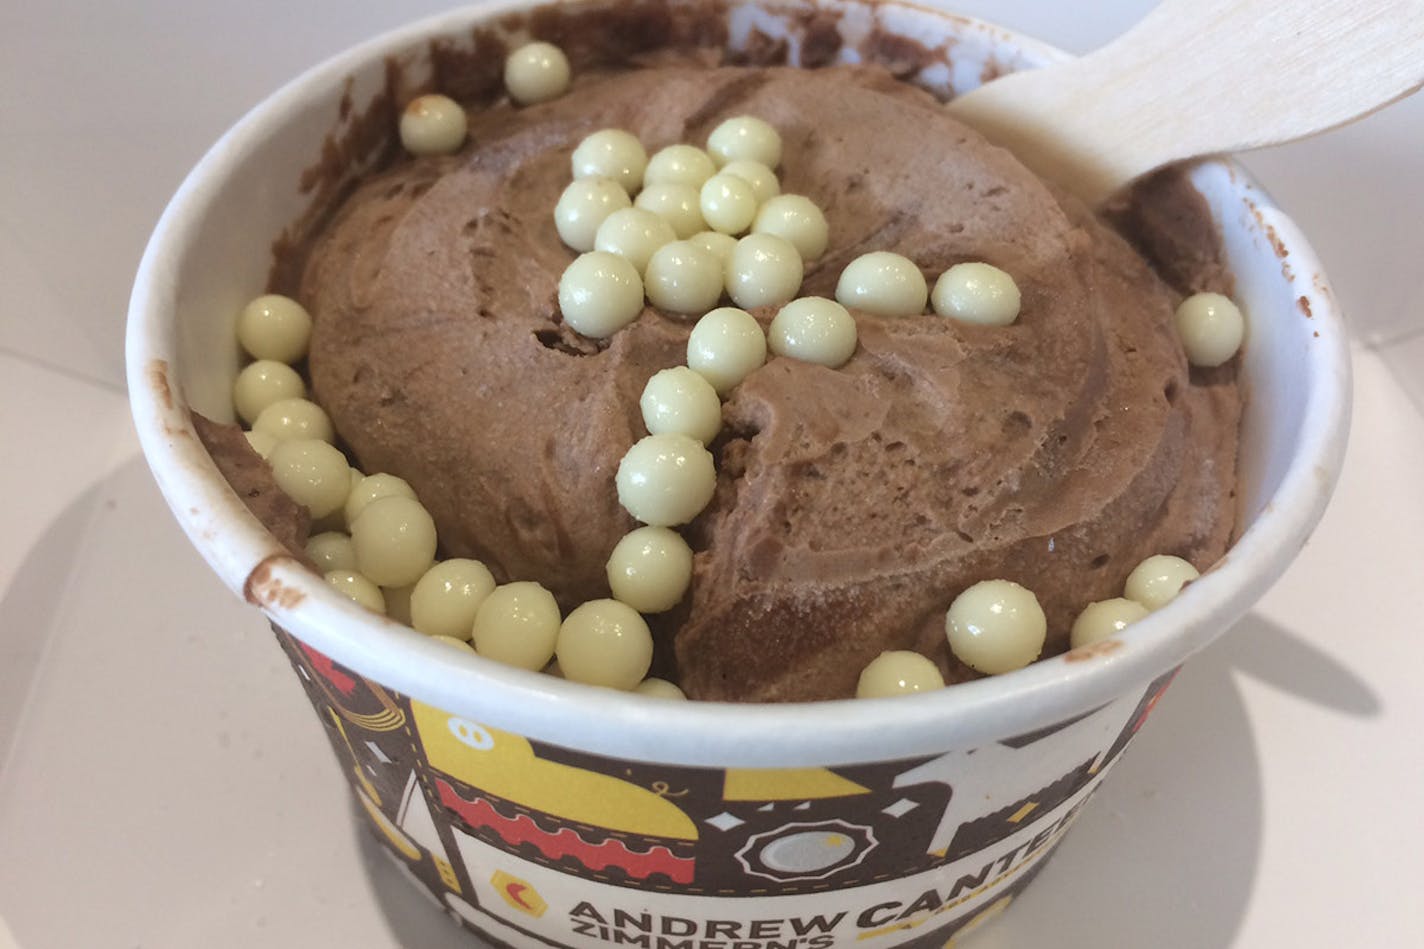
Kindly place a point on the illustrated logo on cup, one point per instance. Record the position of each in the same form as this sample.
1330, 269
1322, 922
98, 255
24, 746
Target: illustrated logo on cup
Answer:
525, 840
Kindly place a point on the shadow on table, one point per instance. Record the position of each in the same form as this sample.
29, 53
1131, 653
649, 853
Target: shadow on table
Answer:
1165, 856
31, 600
1274, 655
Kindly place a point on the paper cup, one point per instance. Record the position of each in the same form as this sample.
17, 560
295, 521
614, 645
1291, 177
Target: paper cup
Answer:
542, 812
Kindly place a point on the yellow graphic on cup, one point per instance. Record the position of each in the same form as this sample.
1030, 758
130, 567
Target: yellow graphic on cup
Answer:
787, 784
389, 830
504, 765
519, 894
989, 912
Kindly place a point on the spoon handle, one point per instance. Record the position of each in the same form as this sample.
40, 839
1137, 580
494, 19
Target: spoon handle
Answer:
1200, 77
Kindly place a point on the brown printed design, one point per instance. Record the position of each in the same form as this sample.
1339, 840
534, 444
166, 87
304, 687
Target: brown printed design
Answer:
441, 791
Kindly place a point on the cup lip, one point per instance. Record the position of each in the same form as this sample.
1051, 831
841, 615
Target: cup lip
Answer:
845, 731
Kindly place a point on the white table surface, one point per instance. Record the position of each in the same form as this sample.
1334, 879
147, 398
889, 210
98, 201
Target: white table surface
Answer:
165, 785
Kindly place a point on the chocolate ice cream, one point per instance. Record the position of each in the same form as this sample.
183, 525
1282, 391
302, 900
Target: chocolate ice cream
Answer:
853, 504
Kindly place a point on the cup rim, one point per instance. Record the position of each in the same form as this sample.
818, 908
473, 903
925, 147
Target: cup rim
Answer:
844, 731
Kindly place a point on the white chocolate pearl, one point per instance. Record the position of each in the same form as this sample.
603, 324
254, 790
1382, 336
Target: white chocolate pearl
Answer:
884, 284
536, 72
613, 154
1103, 619
263, 382
725, 347
517, 624
295, 418
660, 689
797, 219
996, 626
718, 245
368, 488
679, 401
599, 294
604, 642
678, 204
745, 137
633, 234
813, 329
1157, 580
683, 278
398, 603
666, 480
332, 550
274, 327
453, 643
1211, 328
761, 178
395, 541
358, 588
336, 520
728, 204
261, 442
650, 569
584, 205
679, 165
977, 293
763, 270
312, 473
433, 125
898, 672
446, 599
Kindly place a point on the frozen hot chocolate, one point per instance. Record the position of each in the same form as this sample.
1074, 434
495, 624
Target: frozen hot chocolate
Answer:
852, 504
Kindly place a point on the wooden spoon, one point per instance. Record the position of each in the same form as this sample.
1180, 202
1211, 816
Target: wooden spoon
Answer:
1200, 77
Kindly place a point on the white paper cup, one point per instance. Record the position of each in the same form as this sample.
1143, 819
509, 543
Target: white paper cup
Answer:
543, 812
